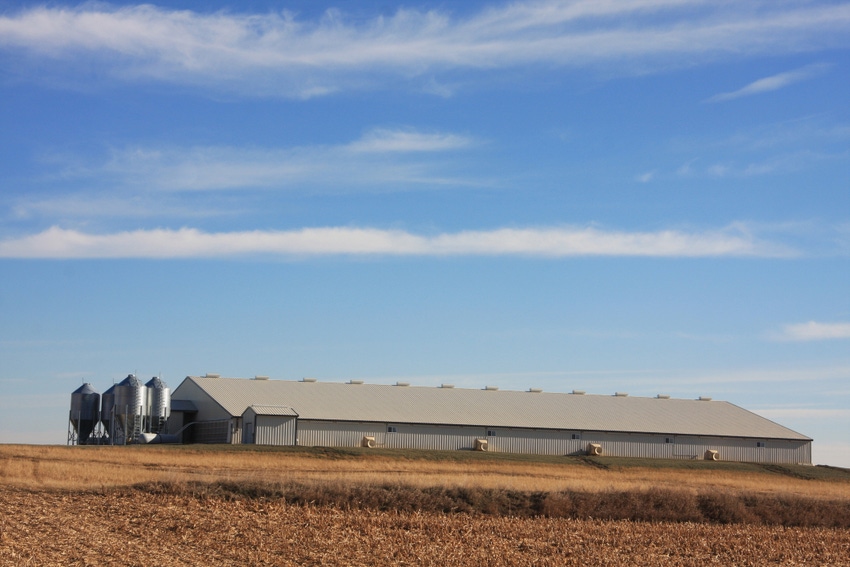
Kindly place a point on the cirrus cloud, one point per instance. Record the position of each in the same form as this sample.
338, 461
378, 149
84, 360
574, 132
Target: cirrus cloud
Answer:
773, 83
814, 331
278, 54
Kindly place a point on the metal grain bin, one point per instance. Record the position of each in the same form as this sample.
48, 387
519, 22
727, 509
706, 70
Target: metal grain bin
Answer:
107, 404
130, 407
85, 412
159, 404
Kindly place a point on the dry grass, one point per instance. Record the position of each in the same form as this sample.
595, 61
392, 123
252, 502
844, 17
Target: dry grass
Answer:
105, 467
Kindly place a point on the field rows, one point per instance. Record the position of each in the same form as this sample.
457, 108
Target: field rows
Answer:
132, 527
224, 506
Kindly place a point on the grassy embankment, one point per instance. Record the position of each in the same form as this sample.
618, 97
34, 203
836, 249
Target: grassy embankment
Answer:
492, 484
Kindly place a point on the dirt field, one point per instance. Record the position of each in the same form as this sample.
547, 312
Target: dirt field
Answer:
54, 512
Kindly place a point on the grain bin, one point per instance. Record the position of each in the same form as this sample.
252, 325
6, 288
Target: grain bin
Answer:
84, 415
158, 405
107, 407
130, 407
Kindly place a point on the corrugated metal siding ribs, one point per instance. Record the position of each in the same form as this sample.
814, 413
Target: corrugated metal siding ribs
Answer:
334, 414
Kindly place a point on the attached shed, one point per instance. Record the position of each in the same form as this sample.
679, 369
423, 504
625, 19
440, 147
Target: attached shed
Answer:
311, 413
269, 425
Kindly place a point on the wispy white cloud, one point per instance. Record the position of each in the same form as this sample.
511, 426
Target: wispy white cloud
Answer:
814, 331
381, 157
771, 375
57, 242
645, 177
279, 54
774, 82
383, 140
110, 206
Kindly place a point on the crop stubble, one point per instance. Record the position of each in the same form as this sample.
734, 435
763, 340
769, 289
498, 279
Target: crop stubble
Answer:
132, 527
73, 506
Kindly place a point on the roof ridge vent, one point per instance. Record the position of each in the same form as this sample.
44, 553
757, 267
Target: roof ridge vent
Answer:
402, 384
535, 390
309, 380
448, 386
209, 375
704, 398
663, 396
621, 394
491, 388
261, 377
579, 392
354, 382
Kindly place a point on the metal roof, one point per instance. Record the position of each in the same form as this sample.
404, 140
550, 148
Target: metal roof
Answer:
492, 408
272, 410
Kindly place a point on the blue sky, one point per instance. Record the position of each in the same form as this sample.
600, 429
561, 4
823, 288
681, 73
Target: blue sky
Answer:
650, 196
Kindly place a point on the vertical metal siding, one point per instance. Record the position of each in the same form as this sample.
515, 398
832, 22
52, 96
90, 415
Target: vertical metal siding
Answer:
434, 437
274, 430
338, 434
691, 447
541, 442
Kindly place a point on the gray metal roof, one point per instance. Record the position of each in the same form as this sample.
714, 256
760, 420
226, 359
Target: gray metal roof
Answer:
492, 408
273, 410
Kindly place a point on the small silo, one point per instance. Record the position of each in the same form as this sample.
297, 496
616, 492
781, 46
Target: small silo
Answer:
85, 414
159, 405
130, 407
107, 405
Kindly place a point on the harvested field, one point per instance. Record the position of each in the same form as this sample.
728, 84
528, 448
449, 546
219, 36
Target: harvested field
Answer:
229, 506
137, 528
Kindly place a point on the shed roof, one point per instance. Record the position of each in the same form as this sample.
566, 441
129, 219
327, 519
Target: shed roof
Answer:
335, 401
272, 410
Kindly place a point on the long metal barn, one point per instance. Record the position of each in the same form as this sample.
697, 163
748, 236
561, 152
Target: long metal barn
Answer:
354, 414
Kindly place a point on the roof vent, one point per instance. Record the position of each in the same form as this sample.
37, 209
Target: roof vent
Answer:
535, 390
309, 380
355, 381
261, 377
447, 386
704, 399
403, 384
208, 375
491, 388
663, 396
621, 394
579, 392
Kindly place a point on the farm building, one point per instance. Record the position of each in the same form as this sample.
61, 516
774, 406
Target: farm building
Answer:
312, 413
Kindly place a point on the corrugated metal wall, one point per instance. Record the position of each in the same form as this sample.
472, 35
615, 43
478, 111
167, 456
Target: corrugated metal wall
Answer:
548, 442
338, 433
433, 437
274, 430
287, 430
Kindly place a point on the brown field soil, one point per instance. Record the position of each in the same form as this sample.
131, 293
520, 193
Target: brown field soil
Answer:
235, 506
138, 528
